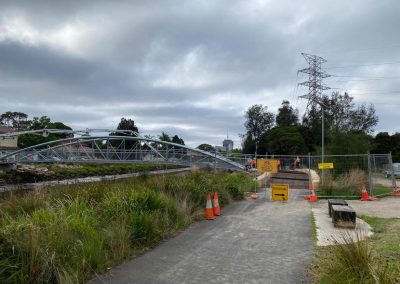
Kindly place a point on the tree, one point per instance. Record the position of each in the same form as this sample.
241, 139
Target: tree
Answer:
258, 121
341, 116
126, 124
385, 143
352, 142
382, 143
16, 120
43, 122
164, 137
206, 147
395, 147
284, 141
287, 116
364, 119
175, 139
248, 144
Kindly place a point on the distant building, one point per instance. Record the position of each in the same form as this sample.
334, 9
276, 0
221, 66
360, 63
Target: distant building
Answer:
8, 143
220, 148
227, 144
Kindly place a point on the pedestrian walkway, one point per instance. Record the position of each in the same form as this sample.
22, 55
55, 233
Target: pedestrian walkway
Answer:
252, 242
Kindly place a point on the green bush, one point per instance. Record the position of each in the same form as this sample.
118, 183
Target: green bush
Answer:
355, 261
67, 234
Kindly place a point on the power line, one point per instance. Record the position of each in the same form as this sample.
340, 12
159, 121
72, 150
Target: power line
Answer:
347, 50
357, 80
364, 65
379, 93
369, 91
383, 77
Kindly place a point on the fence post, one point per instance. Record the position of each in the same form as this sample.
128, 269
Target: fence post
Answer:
215, 161
309, 170
392, 172
369, 175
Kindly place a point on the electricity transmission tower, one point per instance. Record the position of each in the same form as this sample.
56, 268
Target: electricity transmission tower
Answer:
315, 76
315, 88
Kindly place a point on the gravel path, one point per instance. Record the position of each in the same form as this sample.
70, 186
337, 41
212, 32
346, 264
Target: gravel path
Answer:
253, 242
388, 207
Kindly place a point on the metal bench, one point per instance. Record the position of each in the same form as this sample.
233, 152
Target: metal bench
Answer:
335, 202
343, 216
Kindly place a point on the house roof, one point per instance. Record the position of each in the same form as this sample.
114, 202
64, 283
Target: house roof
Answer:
5, 129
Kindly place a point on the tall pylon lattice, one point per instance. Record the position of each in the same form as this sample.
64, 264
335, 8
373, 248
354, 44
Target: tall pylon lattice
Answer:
315, 76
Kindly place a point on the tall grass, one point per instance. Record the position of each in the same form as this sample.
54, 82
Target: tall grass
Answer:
347, 183
355, 261
68, 234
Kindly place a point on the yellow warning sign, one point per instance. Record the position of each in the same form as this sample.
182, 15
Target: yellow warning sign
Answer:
270, 166
279, 192
323, 166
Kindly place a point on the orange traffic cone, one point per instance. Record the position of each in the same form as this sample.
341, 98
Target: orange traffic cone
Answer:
364, 194
217, 210
313, 197
254, 196
208, 211
396, 193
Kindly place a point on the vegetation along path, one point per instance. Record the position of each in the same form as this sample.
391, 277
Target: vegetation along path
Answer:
252, 242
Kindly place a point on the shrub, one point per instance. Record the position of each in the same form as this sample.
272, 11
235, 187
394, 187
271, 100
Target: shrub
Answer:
66, 234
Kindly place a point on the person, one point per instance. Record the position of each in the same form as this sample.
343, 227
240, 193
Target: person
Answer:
297, 162
253, 163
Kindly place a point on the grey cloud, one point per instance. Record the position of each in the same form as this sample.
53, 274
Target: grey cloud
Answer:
192, 67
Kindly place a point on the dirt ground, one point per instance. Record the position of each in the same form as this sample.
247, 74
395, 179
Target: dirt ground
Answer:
388, 207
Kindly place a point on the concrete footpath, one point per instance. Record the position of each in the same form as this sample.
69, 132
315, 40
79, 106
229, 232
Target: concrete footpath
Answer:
253, 242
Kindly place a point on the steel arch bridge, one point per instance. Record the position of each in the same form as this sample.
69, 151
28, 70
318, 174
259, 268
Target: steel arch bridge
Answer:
118, 149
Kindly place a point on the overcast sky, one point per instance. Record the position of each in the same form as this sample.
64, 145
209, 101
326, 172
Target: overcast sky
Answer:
191, 68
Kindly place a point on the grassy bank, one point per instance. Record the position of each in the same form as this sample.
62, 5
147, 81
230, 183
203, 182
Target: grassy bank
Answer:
45, 172
73, 232
375, 260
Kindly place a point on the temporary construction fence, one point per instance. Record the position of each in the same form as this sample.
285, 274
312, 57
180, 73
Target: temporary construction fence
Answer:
339, 175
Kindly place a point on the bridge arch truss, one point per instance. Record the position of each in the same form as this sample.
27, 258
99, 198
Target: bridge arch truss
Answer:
118, 149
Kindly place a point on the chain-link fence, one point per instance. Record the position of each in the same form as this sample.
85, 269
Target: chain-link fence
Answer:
349, 173
345, 175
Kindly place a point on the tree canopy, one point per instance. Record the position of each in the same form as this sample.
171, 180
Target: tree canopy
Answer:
284, 141
127, 124
287, 116
258, 121
343, 120
16, 120
43, 122
205, 147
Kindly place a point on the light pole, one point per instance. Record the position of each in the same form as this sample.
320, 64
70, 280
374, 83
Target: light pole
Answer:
323, 107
